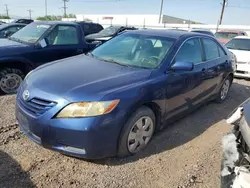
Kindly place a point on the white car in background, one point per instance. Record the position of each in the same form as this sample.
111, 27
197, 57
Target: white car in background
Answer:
240, 47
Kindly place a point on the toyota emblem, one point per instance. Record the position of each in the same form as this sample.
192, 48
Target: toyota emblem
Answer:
26, 95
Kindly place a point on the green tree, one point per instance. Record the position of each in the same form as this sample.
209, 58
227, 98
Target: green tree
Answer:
71, 16
49, 18
4, 17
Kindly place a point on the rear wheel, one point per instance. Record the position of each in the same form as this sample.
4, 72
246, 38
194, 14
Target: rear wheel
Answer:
224, 90
10, 80
137, 132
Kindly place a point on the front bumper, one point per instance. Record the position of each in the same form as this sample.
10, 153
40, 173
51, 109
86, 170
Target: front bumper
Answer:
90, 138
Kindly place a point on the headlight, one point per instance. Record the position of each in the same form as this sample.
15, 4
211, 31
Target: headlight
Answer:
87, 109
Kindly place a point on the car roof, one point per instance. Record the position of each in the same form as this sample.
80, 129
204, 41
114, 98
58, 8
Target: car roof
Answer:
12, 24
170, 33
242, 37
55, 22
230, 31
82, 22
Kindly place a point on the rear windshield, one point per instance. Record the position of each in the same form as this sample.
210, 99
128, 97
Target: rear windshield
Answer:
239, 44
226, 35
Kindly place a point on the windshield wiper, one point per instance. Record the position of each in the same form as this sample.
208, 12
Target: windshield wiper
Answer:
116, 62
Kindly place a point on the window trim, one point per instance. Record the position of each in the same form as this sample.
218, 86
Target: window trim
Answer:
52, 29
190, 38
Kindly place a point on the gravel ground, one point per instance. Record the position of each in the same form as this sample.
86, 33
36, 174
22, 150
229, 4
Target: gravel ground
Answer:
186, 154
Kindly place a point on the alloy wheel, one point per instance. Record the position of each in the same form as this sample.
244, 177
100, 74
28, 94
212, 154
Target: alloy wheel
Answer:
225, 89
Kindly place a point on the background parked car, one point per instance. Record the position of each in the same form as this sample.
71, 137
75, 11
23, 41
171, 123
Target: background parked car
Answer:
36, 44
124, 90
7, 30
207, 32
1, 22
108, 33
90, 27
240, 46
227, 35
23, 21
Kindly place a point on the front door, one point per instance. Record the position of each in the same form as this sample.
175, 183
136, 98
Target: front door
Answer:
186, 89
62, 43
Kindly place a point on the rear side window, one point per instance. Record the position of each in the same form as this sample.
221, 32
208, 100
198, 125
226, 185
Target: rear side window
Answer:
86, 29
190, 51
211, 49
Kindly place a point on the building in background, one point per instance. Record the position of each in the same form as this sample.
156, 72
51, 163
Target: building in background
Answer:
132, 20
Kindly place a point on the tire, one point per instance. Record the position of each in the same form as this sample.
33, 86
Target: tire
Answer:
227, 83
140, 117
10, 80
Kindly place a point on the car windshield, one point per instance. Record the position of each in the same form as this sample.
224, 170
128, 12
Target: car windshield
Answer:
134, 50
109, 30
226, 35
239, 44
31, 33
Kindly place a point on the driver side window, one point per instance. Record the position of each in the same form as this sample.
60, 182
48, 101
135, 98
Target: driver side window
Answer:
63, 35
190, 51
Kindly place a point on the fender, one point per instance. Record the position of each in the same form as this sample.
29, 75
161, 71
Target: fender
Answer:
17, 59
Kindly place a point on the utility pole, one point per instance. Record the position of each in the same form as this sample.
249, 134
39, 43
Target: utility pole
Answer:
160, 11
7, 10
222, 11
65, 7
46, 9
30, 12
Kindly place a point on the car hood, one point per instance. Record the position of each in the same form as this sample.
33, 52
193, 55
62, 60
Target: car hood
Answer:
8, 47
84, 78
241, 55
96, 36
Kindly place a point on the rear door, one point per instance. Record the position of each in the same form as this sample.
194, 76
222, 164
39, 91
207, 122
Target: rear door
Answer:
186, 89
216, 63
63, 41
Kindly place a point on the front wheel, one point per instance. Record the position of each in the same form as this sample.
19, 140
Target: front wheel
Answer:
224, 90
137, 132
10, 80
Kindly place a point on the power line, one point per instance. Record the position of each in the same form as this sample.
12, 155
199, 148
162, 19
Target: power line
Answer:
7, 10
30, 11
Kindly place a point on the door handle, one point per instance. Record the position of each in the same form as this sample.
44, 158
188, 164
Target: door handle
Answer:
79, 51
203, 70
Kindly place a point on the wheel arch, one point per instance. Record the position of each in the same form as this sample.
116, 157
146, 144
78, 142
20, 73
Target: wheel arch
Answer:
18, 63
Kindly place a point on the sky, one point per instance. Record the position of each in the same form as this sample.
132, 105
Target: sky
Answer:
205, 11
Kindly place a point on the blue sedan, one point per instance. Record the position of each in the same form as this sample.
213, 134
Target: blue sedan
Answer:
112, 100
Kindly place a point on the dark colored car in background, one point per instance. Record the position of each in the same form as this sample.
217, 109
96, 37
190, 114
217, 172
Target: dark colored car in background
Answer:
207, 32
90, 27
36, 44
23, 21
108, 33
225, 36
112, 100
6, 30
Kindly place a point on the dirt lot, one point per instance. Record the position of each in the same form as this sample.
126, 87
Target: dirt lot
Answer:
186, 154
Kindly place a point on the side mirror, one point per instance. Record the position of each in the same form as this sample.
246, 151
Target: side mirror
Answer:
182, 66
43, 43
7, 34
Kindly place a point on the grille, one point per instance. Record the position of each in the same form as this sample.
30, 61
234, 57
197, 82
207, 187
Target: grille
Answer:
36, 106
